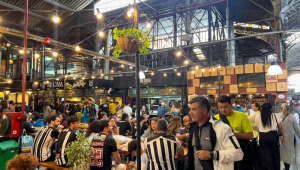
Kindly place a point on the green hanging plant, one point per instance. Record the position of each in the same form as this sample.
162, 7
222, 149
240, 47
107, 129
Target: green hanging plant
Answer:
130, 40
78, 152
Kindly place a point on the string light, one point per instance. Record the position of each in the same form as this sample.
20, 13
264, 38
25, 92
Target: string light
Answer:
55, 54
152, 73
101, 33
55, 17
165, 74
74, 78
130, 67
193, 71
9, 81
11, 61
77, 48
148, 25
47, 81
197, 67
102, 75
8, 44
178, 53
93, 77
131, 10
203, 70
99, 15
213, 69
57, 79
112, 71
219, 66
36, 83
83, 78
21, 51
122, 66
186, 62
66, 76
36, 55
178, 74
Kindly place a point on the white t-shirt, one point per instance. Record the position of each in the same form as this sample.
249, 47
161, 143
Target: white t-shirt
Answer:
297, 117
260, 126
128, 110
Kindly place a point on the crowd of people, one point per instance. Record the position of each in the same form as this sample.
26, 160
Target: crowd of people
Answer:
256, 138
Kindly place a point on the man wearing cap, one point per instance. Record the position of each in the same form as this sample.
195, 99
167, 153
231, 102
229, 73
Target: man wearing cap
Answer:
162, 110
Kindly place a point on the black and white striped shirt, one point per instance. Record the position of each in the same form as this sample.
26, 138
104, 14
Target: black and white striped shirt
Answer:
43, 141
65, 137
161, 149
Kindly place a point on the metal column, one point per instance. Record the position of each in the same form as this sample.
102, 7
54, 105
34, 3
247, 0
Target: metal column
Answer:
106, 62
24, 56
174, 30
43, 63
230, 34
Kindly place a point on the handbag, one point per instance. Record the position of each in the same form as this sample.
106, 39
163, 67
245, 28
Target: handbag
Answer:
26, 139
278, 130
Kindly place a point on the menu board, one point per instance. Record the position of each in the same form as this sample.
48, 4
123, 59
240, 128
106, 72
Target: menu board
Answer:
143, 92
89, 93
167, 91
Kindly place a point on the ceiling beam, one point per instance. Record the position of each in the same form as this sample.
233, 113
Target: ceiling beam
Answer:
59, 5
22, 10
6, 30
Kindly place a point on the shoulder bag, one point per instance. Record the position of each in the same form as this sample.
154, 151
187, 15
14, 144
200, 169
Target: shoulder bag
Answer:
26, 139
278, 130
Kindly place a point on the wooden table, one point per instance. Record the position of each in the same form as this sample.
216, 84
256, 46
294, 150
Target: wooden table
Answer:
26, 149
52, 165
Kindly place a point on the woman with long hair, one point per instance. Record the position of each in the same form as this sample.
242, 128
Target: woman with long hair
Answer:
63, 120
176, 109
267, 123
85, 111
93, 130
152, 129
46, 109
114, 125
36, 120
174, 125
289, 152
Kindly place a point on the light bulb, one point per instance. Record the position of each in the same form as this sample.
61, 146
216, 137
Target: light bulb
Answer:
36, 83
219, 66
36, 55
112, 71
129, 14
74, 78
178, 53
203, 70
197, 67
99, 15
165, 74
55, 54
122, 66
101, 33
102, 75
152, 73
21, 51
66, 76
178, 74
93, 77
193, 71
131, 10
130, 67
83, 78
77, 48
213, 69
55, 19
186, 62
57, 79
148, 25
8, 81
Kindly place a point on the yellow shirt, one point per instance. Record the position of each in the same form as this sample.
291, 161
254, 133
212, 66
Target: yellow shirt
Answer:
113, 108
239, 122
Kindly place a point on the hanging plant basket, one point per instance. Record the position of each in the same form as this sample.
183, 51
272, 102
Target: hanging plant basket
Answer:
128, 45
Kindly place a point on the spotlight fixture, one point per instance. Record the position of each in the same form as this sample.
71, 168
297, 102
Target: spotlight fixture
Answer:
99, 15
186, 62
101, 33
178, 53
152, 73
148, 25
77, 48
55, 17
122, 66
36, 55
142, 75
274, 69
55, 54
178, 74
129, 14
197, 67
203, 70
165, 74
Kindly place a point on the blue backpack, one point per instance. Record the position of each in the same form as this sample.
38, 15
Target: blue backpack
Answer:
239, 108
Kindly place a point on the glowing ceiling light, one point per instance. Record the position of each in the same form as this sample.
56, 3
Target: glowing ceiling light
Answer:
102, 75
186, 62
55, 19
77, 48
165, 74
36, 83
36, 55
178, 53
131, 67
131, 10
213, 69
178, 74
122, 65
152, 73
148, 25
129, 14
93, 77
55, 54
21, 51
83, 78
112, 71
203, 70
57, 79
101, 33
74, 78
197, 67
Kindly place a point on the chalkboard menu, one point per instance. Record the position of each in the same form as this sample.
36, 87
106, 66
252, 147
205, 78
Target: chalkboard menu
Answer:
167, 91
143, 92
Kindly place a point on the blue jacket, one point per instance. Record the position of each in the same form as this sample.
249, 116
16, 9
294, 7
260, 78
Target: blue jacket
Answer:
38, 123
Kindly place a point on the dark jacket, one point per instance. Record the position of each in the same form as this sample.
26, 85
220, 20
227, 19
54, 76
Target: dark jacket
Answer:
190, 161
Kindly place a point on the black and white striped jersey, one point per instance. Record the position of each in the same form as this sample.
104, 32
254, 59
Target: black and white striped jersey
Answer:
43, 141
64, 138
161, 149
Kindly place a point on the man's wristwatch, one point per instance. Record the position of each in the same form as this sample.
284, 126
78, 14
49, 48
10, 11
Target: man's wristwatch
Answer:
211, 155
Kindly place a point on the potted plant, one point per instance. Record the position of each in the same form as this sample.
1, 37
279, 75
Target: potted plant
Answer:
130, 40
78, 152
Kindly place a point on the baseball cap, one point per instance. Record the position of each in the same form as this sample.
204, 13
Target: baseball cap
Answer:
163, 103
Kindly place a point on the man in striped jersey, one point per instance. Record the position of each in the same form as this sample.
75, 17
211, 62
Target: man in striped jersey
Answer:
42, 145
65, 137
161, 148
